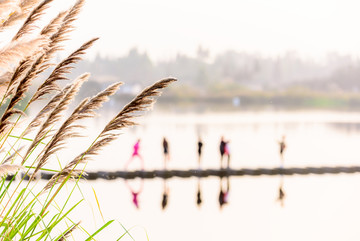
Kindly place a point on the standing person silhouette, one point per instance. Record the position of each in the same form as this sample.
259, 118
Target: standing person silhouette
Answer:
166, 151
282, 147
227, 153
135, 153
200, 145
222, 151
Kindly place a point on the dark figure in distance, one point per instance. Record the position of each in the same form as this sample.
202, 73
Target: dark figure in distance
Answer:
224, 151
282, 146
200, 145
166, 151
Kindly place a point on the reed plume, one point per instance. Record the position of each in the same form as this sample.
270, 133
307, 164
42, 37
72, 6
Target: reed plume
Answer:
57, 30
4, 83
73, 13
65, 28
88, 110
62, 176
58, 106
51, 28
48, 108
57, 34
53, 111
140, 103
22, 88
64, 132
6, 169
7, 8
16, 76
16, 51
7, 5
22, 12
34, 16
47, 31
124, 118
85, 110
60, 70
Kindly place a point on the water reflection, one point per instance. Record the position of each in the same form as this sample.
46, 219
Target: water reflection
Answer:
137, 187
198, 194
135, 192
165, 196
224, 191
281, 193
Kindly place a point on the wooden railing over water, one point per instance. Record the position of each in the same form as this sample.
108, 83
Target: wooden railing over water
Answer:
215, 172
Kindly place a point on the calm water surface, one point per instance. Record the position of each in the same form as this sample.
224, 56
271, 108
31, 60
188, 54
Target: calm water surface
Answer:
315, 207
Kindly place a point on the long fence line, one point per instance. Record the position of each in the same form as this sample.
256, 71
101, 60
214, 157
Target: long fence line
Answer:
214, 172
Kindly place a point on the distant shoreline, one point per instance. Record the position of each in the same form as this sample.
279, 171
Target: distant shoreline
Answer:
264, 102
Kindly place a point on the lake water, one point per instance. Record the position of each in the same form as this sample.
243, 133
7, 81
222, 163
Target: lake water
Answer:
315, 207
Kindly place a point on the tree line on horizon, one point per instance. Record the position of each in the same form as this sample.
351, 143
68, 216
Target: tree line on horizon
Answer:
228, 73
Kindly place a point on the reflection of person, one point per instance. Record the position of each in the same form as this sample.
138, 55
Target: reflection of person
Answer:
166, 151
200, 145
134, 199
198, 195
165, 196
281, 196
136, 153
282, 146
224, 192
134, 193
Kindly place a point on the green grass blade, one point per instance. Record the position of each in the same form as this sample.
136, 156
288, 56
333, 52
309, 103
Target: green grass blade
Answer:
56, 221
97, 202
99, 230
126, 232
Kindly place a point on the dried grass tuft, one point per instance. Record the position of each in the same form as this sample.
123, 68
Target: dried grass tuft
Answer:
9, 169
60, 70
34, 16
123, 119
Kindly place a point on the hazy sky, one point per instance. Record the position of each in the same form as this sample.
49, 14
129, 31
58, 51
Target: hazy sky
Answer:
270, 27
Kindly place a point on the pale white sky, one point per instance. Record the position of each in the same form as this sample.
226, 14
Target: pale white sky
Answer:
312, 28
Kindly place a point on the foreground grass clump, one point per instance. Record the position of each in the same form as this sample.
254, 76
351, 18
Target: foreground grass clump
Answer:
31, 210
